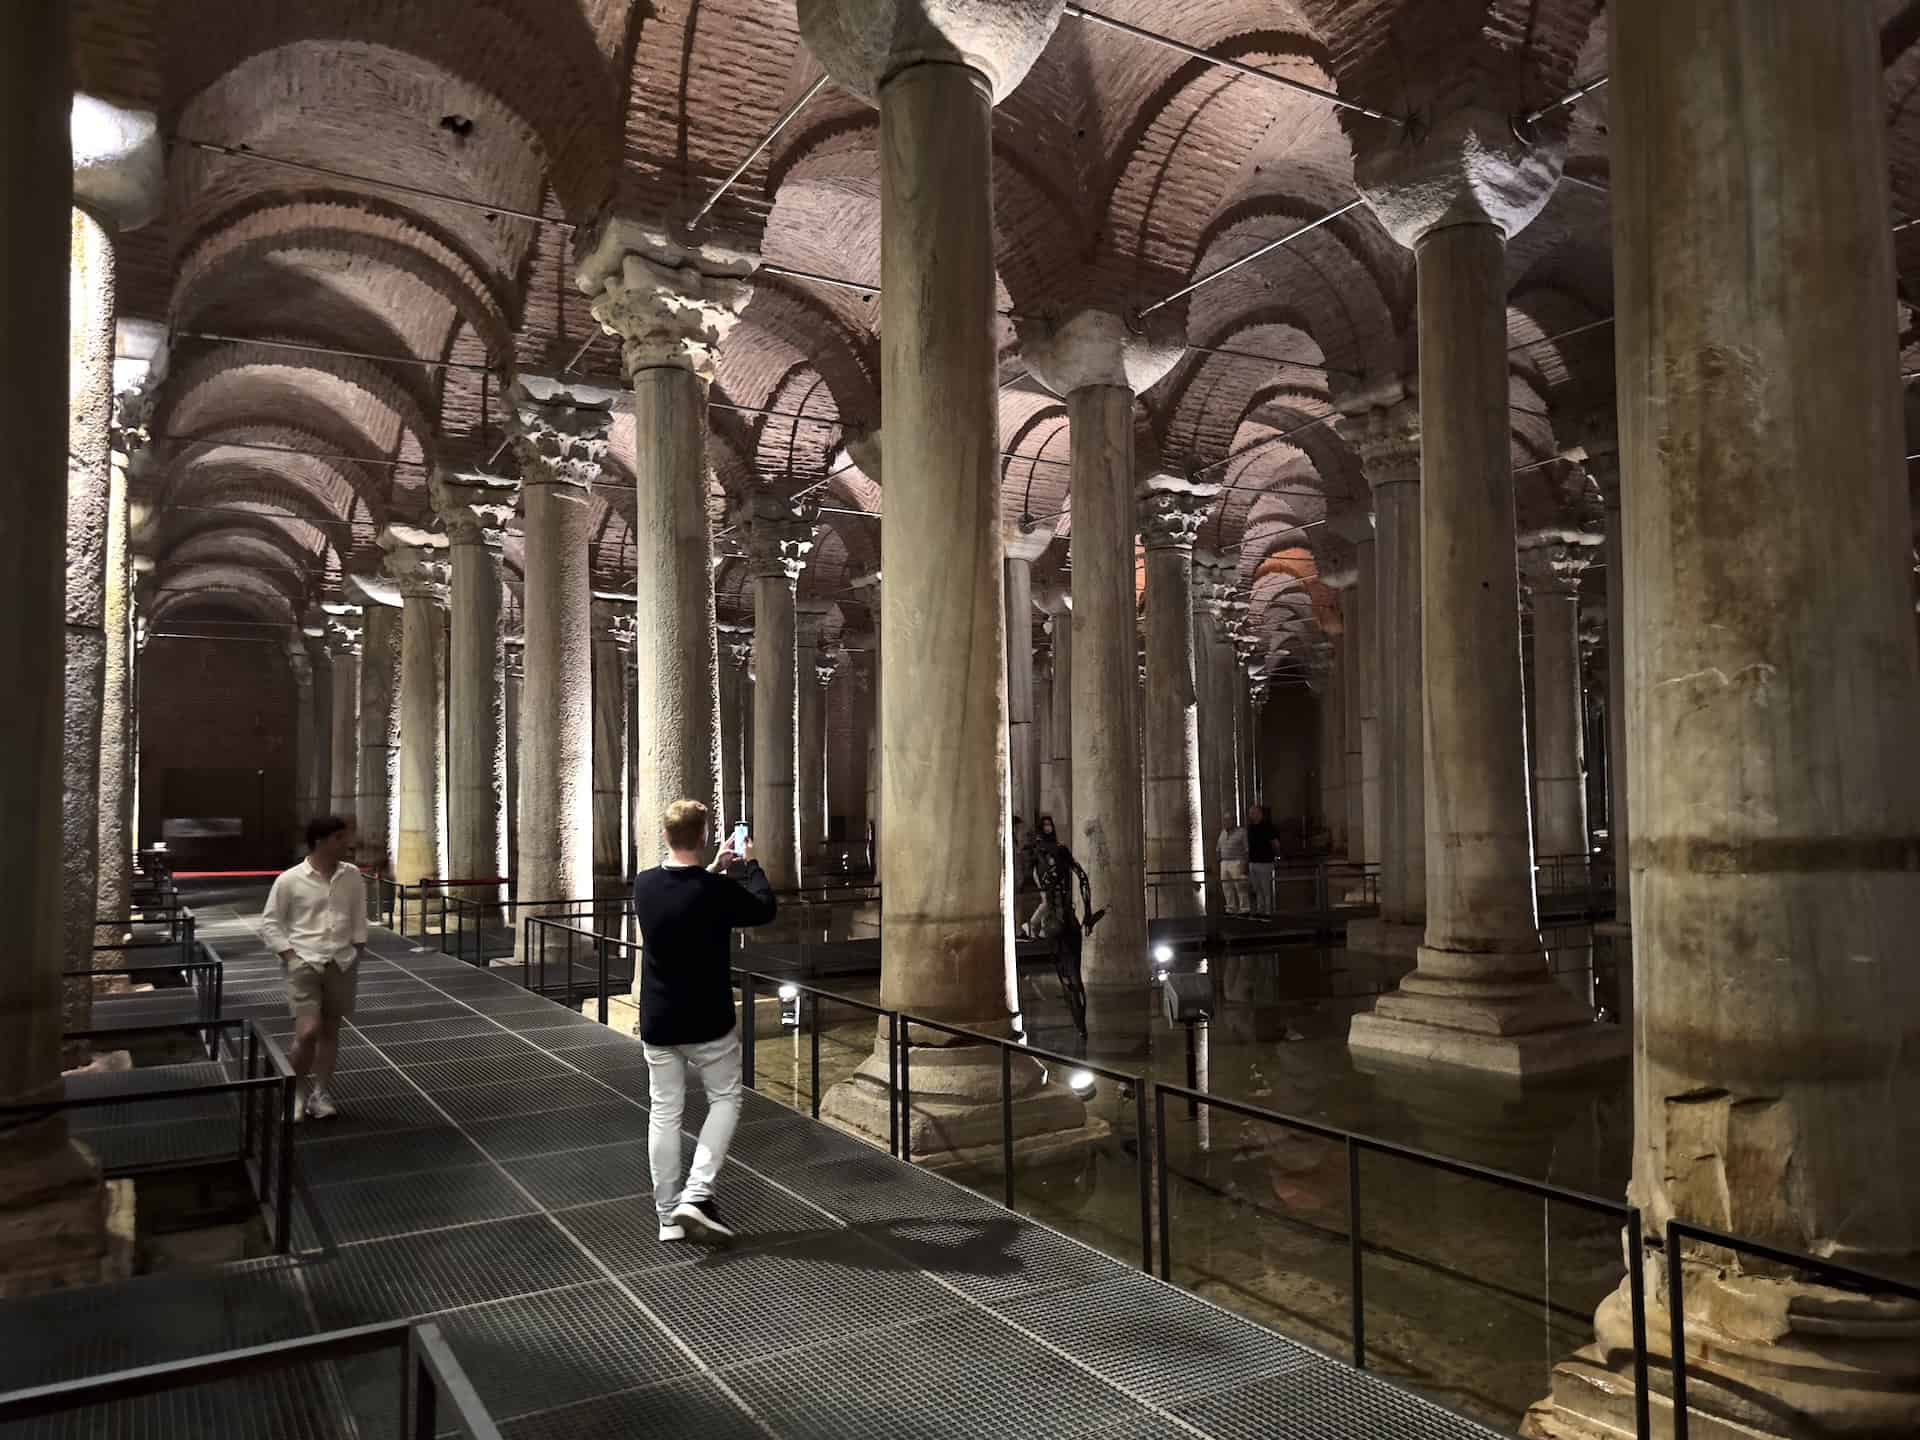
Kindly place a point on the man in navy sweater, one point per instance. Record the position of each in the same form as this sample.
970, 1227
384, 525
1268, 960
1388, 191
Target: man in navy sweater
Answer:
687, 913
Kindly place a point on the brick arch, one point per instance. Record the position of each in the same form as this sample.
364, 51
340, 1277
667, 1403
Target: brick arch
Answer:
217, 261
793, 450
300, 538
836, 338
1176, 162
1202, 403
225, 456
246, 384
181, 584
1348, 279
1579, 364
1037, 432
237, 543
539, 63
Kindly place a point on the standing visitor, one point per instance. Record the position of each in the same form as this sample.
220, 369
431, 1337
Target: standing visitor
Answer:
316, 922
1232, 846
1263, 845
687, 914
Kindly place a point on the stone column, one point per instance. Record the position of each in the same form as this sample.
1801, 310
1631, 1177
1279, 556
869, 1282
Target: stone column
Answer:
475, 509
1333, 746
1603, 463
1559, 750
1023, 749
300, 664
612, 640
1388, 441
1366, 672
561, 439
1100, 364
935, 68
671, 308
89, 487
736, 737
871, 585
1213, 607
1771, 690
1256, 753
52, 1203
778, 539
513, 670
343, 646
319, 775
1353, 705
377, 807
416, 560
1171, 513
1481, 995
1056, 798
113, 895
814, 665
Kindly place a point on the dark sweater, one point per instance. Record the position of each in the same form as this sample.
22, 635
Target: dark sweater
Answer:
687, 915
1263, 843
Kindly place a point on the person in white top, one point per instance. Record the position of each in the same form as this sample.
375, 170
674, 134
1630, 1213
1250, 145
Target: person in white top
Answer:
1232, 845
316, 922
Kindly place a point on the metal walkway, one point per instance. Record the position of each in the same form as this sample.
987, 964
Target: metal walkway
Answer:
489, 1171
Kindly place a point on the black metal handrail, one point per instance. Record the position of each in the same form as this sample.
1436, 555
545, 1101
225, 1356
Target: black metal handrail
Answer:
535, 930
1356, 1144
748, 981
250, 1085
430, 1372
1845, 1276
212, 997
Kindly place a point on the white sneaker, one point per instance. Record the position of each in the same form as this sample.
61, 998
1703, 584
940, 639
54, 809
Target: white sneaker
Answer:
320, 1106
299, 1103
670, 1231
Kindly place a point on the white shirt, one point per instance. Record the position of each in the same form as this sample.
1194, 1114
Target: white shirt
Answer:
316, 918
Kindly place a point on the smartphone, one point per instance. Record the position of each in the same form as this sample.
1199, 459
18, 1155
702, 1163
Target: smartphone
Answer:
739, 838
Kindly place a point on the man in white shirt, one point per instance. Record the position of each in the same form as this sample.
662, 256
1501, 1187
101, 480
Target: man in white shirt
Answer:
316, 922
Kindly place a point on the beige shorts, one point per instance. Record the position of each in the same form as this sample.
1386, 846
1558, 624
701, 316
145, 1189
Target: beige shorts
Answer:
327, 992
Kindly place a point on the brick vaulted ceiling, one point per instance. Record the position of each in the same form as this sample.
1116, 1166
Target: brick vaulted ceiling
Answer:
1122, 171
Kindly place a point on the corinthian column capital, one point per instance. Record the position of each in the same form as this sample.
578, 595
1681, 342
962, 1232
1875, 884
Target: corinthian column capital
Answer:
416, 561
1387, 440
560, 430
1172, 510
671, 306
473, 506
779, 537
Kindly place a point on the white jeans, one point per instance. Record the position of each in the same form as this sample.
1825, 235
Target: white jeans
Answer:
718, 1062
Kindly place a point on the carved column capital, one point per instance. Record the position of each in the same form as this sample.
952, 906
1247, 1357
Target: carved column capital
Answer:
779, 537
1172, 511
736, 645
670, 306
613, 620
1554, 566
1214, 590
560, 430
473, 507
1387, 440
416, 561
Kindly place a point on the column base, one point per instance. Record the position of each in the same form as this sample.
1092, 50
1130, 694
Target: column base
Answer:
955, 1117
1785, 1359
61, 1224
1518, 1026
1376, 936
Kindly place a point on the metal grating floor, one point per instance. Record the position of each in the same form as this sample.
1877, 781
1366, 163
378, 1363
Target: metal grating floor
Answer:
489, 1171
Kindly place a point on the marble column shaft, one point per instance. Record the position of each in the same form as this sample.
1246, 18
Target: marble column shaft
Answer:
776, 726
1560, 771
89, 490
1771, 690
1023, 748
421, 848
1106, 822
344, 796
1366, 672
556, 699
736, 737
1057, 775
813, 672
1175, 853
946, 915
378, 786
305, 744
1619, 817
1333, 750
51, 1198
611, 808
319, 771
115, 885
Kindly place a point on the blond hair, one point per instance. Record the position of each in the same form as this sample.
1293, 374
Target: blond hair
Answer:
686, 824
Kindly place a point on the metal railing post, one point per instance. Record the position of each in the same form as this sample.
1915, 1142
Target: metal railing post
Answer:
1146, 1173
893, 1094
421, 1394
1006, 1124
248, 1104
1160, 1157
283, 1182
906, 1089
1358, 1257
813, 1015
600, 956
749, 1025
1677, 1332
1637, 1290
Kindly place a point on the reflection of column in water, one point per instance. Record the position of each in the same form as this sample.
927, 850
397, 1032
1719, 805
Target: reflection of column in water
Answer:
1199, 1070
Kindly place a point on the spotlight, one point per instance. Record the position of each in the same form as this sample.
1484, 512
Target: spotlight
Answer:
789, 992
1163, 953
789, 1007
1081, 1082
